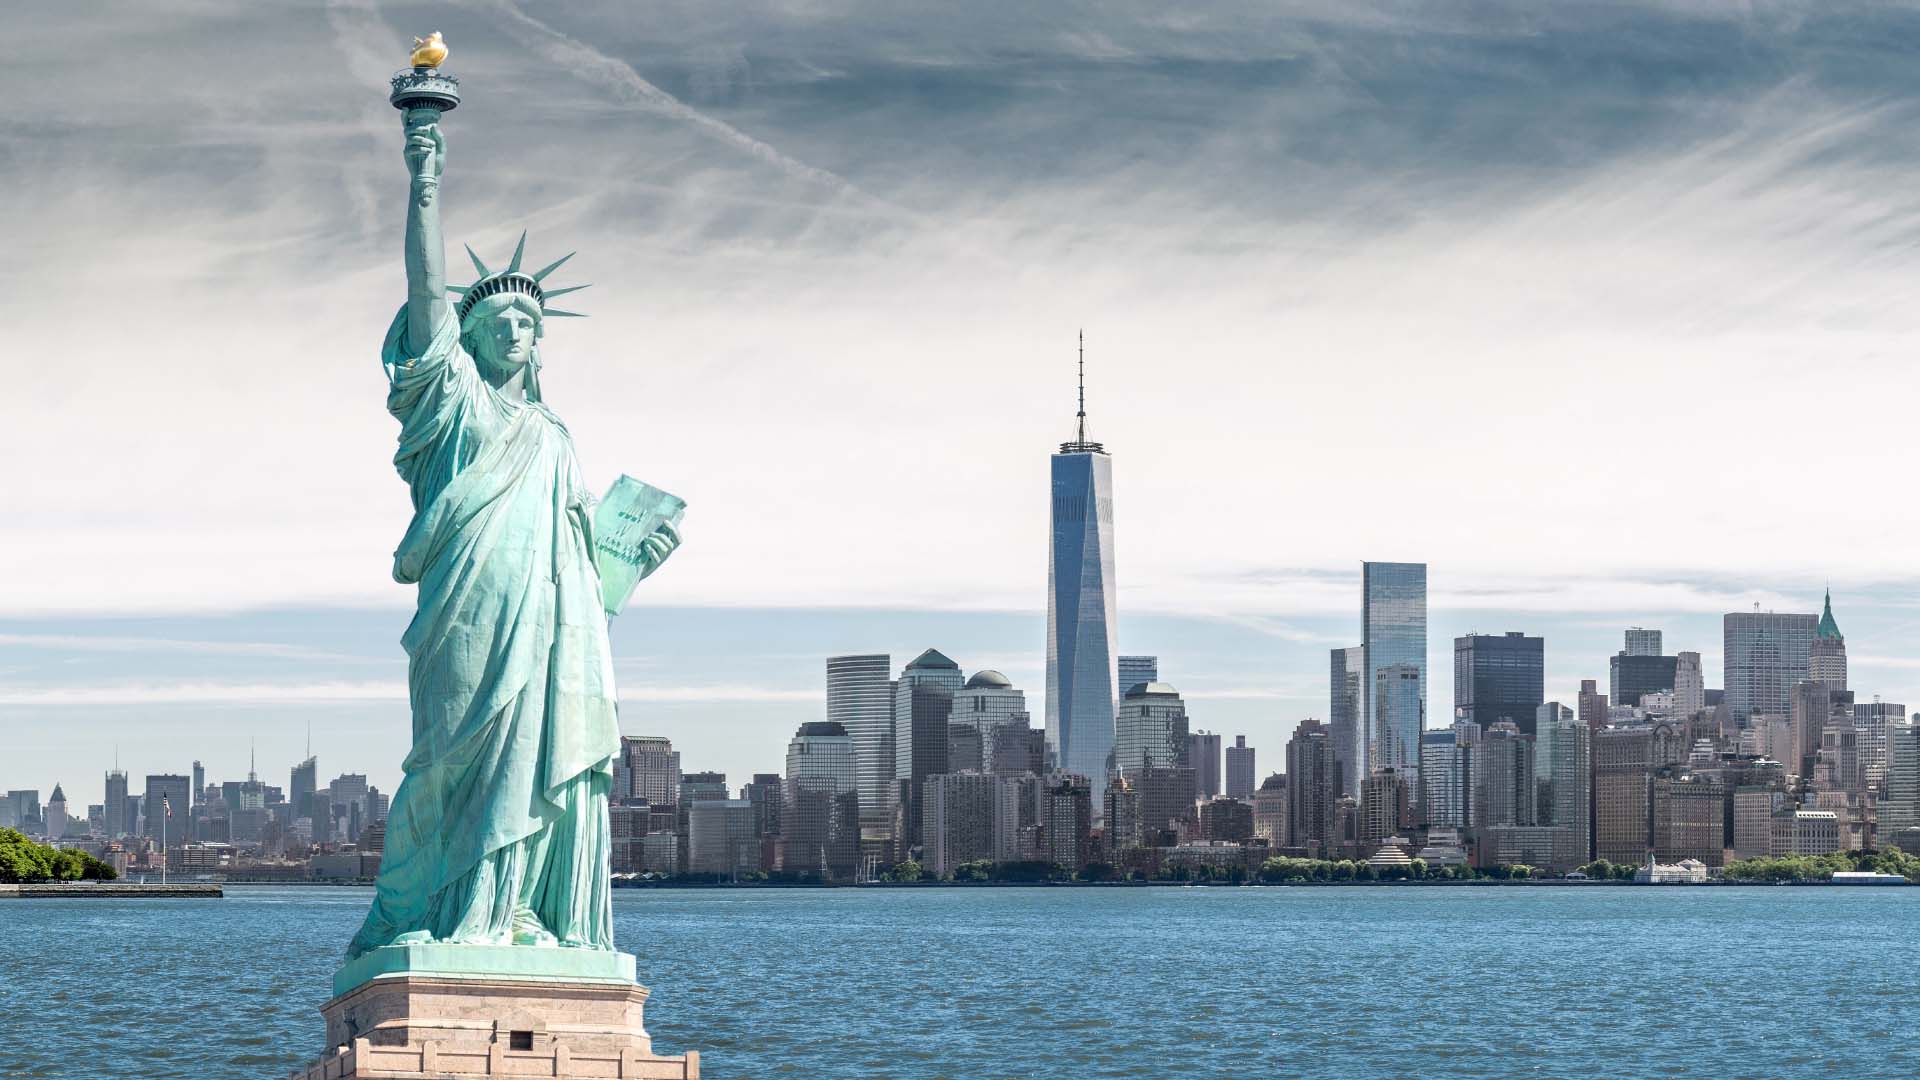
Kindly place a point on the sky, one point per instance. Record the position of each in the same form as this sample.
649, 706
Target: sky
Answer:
1602, 311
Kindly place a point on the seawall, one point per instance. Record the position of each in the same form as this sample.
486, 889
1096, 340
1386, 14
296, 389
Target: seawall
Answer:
110, 890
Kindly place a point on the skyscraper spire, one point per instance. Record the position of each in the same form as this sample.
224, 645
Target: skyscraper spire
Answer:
1083, 387
1828, 628
1080, 445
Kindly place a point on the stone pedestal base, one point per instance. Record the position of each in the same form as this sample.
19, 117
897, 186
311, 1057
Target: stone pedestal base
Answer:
407, 1026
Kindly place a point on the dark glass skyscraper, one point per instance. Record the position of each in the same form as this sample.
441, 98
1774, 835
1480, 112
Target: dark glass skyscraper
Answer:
1632, 676
1347, 670
1765, 654
922, 709
1081, 645
1394, 634
1499, 677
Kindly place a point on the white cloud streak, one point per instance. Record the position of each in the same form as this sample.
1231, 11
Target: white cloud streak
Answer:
619, 78
111, 643
323, 693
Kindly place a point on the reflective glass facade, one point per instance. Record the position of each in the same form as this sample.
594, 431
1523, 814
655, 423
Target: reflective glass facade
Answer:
1081, 645
1398, 717
1348, 671
1394, 634
1152, 728
922, 707
1135, 670
1499, 677
820, 813
1631, 677
1765, 654
860, 699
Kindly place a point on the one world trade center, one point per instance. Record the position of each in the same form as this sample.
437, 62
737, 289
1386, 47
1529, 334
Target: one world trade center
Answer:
1080, 608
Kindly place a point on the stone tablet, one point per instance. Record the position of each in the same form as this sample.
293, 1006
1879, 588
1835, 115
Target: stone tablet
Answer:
631, 512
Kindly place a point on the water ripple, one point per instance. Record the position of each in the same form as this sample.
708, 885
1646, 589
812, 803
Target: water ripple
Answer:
1362, 982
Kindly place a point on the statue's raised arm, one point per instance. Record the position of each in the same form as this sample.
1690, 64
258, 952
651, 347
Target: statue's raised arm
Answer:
426, 153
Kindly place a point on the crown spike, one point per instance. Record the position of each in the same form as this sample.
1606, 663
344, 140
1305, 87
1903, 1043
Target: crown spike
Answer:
557, 313
477, 264
518, 250
565, 291
461, 289
541, 275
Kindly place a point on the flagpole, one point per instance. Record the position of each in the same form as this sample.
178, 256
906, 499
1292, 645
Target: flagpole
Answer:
166, 811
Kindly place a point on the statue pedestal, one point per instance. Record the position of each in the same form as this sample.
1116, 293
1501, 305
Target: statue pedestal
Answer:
559, 1013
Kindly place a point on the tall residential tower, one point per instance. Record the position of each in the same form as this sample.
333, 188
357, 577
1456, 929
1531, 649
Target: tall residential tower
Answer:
1394, 637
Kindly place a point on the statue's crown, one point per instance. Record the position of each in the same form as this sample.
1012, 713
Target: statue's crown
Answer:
512, 280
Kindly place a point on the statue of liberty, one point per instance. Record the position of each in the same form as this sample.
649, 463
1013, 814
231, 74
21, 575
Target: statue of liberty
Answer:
498, 834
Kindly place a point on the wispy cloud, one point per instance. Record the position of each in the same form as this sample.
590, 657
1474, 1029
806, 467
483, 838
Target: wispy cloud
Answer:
109, 643
722, 694
619, 77
203, 693
316, 693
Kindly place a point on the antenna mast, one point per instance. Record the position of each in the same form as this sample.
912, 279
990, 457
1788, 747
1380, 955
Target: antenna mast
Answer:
1083, 387
1080, 445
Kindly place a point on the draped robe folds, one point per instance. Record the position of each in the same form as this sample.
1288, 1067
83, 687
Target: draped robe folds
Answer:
498, 833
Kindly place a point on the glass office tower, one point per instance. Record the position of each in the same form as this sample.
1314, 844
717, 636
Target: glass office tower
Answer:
1765, 653
1349, 670
1135, 670
1081, 645
860, 700
922, 712
1499, 677
1393, 635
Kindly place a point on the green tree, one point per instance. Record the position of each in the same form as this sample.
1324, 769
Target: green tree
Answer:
1099, 871
910, 870
1027, 870
23, 860
978, 870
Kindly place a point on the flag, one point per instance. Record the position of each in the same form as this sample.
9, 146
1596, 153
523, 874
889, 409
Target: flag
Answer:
166, 806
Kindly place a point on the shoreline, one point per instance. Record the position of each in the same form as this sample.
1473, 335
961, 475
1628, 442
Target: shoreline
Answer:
113, 890
1478, 883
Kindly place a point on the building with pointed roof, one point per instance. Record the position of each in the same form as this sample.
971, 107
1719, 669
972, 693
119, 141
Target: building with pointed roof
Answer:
1827, 663
57, 813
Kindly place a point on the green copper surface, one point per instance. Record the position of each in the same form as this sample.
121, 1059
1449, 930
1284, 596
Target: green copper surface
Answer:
485, 961
497, 849
1828, 629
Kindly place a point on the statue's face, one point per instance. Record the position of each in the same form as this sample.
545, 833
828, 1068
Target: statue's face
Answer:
503, 330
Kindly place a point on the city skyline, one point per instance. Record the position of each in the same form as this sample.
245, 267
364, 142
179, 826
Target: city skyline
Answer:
1262, 704
1264, 727
1236, 332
